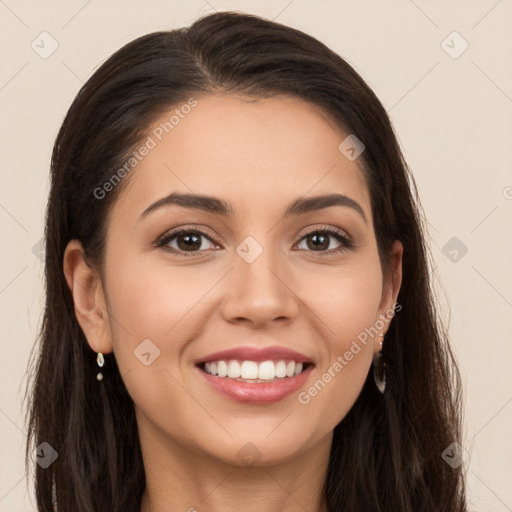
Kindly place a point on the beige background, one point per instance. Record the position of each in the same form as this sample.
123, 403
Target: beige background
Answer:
453, 119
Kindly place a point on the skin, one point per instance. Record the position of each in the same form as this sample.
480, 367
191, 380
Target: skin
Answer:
259, 155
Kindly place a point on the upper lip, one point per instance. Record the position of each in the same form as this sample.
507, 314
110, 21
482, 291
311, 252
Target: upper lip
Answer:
257, 354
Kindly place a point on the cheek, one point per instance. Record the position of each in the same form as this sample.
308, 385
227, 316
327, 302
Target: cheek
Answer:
167, 306
345, 304
151, 301
345, 299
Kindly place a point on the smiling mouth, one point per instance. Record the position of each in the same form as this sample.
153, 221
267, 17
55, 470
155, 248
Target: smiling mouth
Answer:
253, 371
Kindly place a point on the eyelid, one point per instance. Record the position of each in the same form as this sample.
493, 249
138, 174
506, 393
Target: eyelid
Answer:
329, 229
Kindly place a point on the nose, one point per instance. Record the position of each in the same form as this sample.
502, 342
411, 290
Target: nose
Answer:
260, 292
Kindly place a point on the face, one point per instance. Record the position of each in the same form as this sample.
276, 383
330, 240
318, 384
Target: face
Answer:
300, 286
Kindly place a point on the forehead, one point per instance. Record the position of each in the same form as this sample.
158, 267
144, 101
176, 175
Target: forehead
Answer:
251, 152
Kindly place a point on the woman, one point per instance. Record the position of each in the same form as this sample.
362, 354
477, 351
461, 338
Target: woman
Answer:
239, 313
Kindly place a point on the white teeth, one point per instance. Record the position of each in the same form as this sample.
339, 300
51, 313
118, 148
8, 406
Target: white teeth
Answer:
267, 370
281, 369
222, 369
251, 370
233, 369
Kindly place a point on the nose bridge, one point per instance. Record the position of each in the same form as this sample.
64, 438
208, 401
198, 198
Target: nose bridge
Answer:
258, 290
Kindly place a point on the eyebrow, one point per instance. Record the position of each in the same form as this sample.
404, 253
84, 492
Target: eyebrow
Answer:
218, 206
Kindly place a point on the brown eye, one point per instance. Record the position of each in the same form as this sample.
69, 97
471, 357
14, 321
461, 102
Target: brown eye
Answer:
188, 241
320, 240
185, 241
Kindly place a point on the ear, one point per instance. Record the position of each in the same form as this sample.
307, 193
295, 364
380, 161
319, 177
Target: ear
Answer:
88, 297
391, 287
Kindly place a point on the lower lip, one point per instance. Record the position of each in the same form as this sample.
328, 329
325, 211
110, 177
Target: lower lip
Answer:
257, 392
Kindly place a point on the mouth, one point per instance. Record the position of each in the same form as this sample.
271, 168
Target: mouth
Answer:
255, 382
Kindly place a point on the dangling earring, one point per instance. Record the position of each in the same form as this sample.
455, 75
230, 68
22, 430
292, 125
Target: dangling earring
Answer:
101, 361
379, 369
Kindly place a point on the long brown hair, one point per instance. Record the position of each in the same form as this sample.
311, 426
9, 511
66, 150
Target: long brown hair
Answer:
386, 454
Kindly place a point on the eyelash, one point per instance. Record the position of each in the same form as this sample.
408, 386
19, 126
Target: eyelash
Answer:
346, 242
